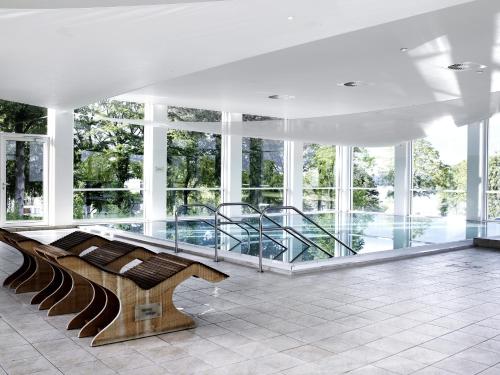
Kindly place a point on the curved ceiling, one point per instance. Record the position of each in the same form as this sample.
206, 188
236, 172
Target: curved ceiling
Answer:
69, 57
232, 55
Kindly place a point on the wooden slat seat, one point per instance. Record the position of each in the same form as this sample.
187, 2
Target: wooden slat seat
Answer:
156, 269
109, 252
72, 240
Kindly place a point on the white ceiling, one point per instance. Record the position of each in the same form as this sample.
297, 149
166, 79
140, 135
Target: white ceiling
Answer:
61, 4
231, 55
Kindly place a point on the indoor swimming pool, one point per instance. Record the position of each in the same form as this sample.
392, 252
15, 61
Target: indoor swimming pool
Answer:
362, 232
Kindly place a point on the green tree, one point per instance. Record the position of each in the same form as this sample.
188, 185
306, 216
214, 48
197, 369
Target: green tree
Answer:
494, 185
319, 172
431, 175
367, 198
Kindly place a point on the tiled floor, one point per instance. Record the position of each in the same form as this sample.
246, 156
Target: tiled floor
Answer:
438, 314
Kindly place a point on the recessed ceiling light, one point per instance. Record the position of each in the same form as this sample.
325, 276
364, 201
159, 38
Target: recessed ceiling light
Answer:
404, 49
282, 97
290, 18
353, 84
466, 66
479, 71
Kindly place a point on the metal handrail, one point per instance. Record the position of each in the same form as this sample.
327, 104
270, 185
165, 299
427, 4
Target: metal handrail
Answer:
212, 209
257, 230
216, 217
311, 242
261, 232
213, 226
237, 224
295, 209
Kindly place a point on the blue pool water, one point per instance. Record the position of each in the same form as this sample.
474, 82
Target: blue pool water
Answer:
362, 232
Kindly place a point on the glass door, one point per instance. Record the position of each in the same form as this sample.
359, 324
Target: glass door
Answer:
23, 179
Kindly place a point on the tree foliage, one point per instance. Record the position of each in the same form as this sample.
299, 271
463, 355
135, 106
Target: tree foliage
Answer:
319, 173
494, 185
431, 175
367, 198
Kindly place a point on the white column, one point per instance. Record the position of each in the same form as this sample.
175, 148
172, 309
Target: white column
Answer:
293, 173
402, 179
232, 160
402, 194
476, 171
343, 168
60, 125
155, 163
344, 178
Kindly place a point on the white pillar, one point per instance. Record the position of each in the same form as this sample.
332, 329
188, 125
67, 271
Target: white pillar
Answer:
155, 163
60, 125
344, 178
402, 179
232, 160
343, 170
402, 194
293, 173
476, 171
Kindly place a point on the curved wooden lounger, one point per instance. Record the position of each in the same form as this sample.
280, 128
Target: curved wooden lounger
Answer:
33, 275
138, 303
59, 291
68, 292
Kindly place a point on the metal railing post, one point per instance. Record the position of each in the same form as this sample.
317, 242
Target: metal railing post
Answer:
261, 243
176, 231
216, 236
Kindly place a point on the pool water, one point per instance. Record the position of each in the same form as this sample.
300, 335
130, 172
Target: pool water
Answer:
362, 232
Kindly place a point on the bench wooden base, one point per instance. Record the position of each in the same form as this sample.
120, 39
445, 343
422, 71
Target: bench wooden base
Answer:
20, 271
39, 279
28, 272
125, 325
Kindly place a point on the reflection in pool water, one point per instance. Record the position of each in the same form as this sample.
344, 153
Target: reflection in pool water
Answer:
361, 231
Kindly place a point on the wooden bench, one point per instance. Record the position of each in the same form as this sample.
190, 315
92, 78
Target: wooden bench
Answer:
138, 302
57, 291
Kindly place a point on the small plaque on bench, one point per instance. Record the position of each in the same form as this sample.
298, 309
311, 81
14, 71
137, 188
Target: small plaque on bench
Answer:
147, 311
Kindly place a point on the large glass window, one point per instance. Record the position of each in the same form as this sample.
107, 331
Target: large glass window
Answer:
262, 172
440, 173
319, 178
108, 162
493, 190
262, 169
373, 179
193, 161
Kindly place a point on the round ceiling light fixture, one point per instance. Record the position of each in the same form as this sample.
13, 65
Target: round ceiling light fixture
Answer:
353, 84
404, 49
281, 97
467, 66
290, 18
